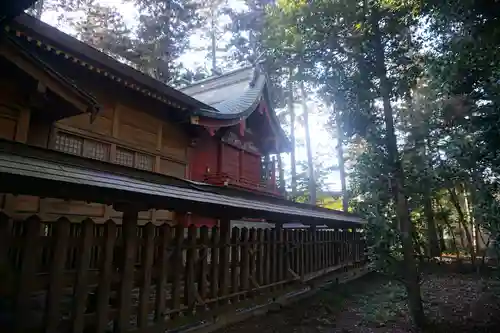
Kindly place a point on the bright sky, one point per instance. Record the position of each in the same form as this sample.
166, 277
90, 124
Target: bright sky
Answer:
322, 143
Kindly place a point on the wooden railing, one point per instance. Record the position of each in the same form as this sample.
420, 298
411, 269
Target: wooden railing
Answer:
69, 277
224, 179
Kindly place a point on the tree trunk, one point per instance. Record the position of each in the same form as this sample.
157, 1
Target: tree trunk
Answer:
340, 158
405, 223
281, 173
463, 223
434, 248
310, 164
432, 237
291, 111
213, 40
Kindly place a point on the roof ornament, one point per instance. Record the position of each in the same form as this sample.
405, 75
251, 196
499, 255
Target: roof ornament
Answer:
256, 69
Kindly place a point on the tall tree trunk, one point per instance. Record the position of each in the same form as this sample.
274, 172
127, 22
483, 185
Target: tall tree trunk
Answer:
432, 237
214, 44
463, 223
405, 223
310, 164
281, 173
434, 248
340, 158
291, 111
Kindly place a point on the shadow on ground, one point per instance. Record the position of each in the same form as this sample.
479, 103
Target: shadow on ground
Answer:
453, 301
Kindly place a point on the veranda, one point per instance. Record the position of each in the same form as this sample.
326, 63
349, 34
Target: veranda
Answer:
60, 276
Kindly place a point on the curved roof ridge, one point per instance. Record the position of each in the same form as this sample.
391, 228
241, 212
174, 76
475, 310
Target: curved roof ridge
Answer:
215, 77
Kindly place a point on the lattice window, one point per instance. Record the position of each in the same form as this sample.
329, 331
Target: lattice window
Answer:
69, 143
145, 162
124, 157
96, 150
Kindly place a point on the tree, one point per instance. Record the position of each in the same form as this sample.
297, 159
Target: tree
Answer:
104, 28
162, 36
347, 37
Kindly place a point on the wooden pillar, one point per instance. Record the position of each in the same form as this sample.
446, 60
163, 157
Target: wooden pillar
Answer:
241, 159
282, 253
225, 238
23, 125
220, 159
312, 248
129, 239
273, 174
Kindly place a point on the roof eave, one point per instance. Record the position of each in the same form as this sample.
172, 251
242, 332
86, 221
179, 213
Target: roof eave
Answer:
57, 39
91, 104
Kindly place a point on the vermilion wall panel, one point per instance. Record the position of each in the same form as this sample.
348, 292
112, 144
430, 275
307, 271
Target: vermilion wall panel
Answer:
204, 156
231, 161
251, 167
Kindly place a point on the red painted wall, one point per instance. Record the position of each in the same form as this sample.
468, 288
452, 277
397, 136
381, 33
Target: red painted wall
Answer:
211, 153
230, 161
251, 167
204, 156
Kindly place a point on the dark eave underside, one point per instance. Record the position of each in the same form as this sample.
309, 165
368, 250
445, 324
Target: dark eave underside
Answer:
35, 171
9, 9
90, 100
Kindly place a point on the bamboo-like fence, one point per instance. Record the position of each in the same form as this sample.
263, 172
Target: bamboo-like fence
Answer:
87, 277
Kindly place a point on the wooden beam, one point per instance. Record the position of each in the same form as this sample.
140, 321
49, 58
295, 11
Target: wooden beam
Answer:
40, 75
23, 124
129, 236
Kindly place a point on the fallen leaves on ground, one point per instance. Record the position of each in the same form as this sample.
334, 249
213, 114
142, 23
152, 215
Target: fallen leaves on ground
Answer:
452, 302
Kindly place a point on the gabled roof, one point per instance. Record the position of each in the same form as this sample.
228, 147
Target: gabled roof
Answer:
235, 96
50, 39
16, 53
232, 95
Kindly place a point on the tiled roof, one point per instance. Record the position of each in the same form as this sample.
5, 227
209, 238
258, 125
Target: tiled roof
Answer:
233, 95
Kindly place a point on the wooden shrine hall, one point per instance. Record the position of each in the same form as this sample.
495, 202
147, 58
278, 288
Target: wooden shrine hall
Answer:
113, 218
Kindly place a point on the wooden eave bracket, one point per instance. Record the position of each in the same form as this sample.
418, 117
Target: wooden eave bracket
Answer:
48, 79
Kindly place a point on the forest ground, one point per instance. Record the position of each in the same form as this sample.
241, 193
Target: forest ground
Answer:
453, 301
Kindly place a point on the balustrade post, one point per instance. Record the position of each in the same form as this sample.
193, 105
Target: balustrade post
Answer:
126, 266
225, 243
273, 174
312, 247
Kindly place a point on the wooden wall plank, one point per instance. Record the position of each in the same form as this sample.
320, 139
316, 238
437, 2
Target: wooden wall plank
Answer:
22, 126
5, 240
59, 250
147, 270
214, 264
224, 264
30, 260
190, 289
245, 261
279, 255
235, 262
162, 279
106, 276
267, 256
260, 257
177, 268
81, 283
129, 238
253, 260
203, 266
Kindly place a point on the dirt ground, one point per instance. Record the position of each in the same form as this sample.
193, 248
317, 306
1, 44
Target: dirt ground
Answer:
453, 302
